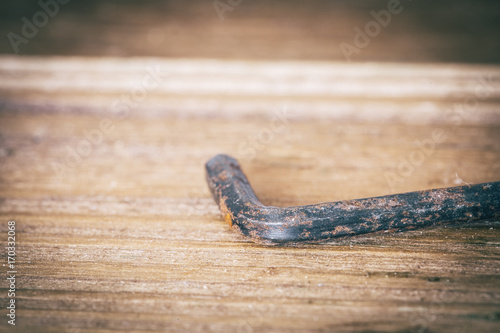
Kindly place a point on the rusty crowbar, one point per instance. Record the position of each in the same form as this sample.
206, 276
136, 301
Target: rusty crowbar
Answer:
313, 223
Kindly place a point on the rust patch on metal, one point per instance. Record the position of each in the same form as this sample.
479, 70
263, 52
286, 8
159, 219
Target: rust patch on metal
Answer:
225, 211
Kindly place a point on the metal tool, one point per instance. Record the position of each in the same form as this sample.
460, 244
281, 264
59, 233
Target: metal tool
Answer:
312, 223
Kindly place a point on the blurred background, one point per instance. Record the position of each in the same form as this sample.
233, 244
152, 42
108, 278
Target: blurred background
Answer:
421, 31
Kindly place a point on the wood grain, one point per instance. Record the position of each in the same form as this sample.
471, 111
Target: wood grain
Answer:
128, 238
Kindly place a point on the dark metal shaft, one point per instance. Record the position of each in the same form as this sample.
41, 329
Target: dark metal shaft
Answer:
312, 223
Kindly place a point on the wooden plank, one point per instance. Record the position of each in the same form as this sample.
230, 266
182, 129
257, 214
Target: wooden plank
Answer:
127, 237
374, 92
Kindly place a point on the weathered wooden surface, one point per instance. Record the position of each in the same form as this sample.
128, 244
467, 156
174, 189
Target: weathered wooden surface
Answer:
127, 238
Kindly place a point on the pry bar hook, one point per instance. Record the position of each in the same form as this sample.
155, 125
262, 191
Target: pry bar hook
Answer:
314, 223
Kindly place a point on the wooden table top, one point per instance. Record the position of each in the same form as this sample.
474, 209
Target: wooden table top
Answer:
102, 170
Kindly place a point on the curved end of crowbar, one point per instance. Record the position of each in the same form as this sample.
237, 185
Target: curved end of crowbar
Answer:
243, 211
239, 205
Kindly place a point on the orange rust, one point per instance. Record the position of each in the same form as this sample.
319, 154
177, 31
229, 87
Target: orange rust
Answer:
227, 214
228, 219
